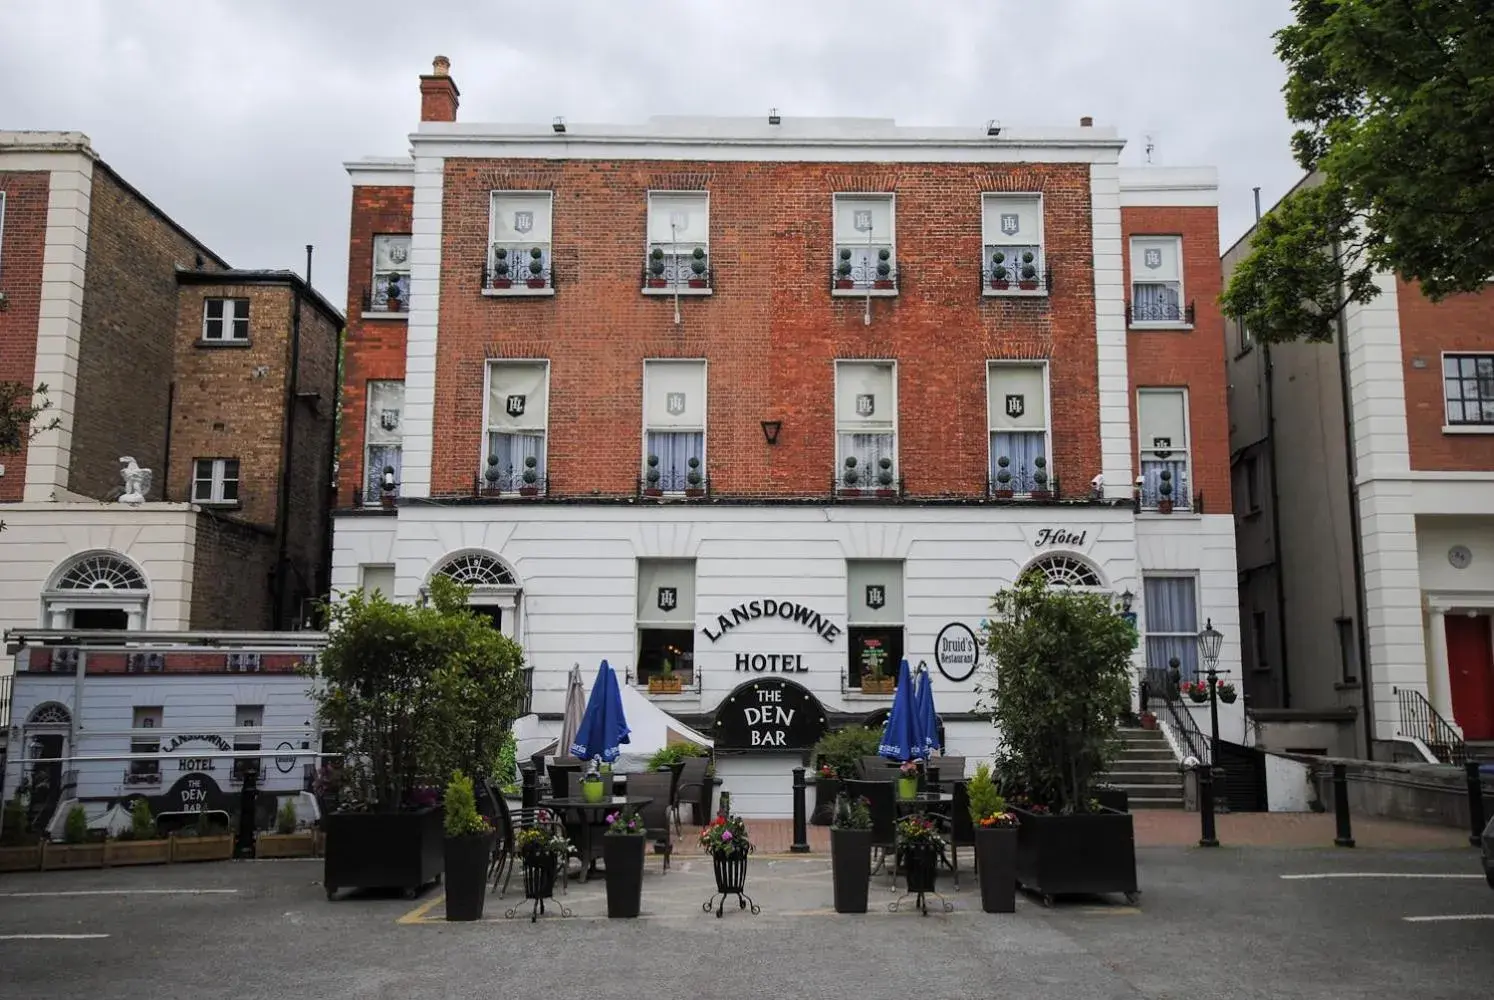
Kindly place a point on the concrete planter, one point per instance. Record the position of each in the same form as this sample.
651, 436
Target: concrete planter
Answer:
136, 852
285, 845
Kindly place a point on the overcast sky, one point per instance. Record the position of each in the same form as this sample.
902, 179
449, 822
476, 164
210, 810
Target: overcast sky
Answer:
236, 117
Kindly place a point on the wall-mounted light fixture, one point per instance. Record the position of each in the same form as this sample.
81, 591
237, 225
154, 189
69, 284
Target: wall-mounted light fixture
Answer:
993, 127
558, 124
771, 429
1126, 598
773, 118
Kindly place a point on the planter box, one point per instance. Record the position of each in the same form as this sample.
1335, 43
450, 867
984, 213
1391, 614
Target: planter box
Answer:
137, 852
20, 859
1086, 853
402, 850
884, 685
850, 868
825, 791
996, 866
665, 685
58, 856
285, 845
1113, 798
202, 848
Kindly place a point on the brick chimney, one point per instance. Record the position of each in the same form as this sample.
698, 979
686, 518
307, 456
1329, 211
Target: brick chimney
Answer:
438, 93
1085, 122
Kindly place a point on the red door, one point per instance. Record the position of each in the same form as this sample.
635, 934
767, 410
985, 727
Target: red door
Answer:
1470, 668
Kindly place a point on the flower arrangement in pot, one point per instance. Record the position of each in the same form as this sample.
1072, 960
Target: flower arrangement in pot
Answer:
1003, 478
501, 269
542, 852
530, 477
656, 268
919, 847
1197, 691
1164, 492
727, 842
1000, 276
1226, 692
694, 481
623, 848
850, 853
1027, 280
843, 270
536, 277
651, 487
468, 847
884, 477
698, 277
1040, 490
851, 477
884, 270
907, 781
995, 843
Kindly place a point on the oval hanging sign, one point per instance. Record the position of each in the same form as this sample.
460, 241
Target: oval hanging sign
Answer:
956, 651
770, 713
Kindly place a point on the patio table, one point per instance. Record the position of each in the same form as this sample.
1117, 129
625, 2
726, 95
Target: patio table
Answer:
591, 815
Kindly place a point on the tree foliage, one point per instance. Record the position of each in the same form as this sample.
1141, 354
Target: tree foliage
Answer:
1062, 679
1395, 103
21, 407
413, 693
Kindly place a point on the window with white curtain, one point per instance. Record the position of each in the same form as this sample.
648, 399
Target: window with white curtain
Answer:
1156, 280
518, 413
1171, 605
1017, 405
674, 414
1012, 252
865, 246
865, 426
679, 242
391, 276
383, 432
1162, 433
519, 233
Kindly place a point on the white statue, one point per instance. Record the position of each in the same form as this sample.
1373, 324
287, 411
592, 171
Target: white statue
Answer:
136, 481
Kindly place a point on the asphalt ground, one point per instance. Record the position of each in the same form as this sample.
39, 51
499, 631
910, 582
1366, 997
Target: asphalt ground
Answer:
1209, 923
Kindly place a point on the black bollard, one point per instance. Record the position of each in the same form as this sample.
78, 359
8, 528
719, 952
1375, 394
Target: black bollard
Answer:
1206, 806
248, 806
1345, 837
529, 796
801, 831
1475, 803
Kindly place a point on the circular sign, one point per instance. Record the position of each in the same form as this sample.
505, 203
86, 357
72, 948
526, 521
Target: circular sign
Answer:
770, 713
956, 652
285, 765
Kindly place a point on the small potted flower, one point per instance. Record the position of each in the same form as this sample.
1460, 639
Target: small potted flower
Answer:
468, 847
502, 269
1148, 719
593, 788
656, 268
698, 269
536, 268
907, 781
850, 853
851, 477
873, 680
1226, 691
543, 853
884, 477
530, 477
884, 270
623, 853
1164, 493
1003, 478
843, 270
694, 482
1027, 275
492, 477
995, 843
651, 487
727, 843
1040, 489
919, 847
666, 681
1000, 276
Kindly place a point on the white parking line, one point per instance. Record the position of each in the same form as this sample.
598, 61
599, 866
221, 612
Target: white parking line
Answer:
124, 892
51, 937
1379, 875
1449, 916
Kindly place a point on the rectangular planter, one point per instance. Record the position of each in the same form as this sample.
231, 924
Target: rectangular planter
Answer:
60, 856
285, 845
137, 852
996, 865
1113, 798
20, 859
201, 848
403, 850
1086, 853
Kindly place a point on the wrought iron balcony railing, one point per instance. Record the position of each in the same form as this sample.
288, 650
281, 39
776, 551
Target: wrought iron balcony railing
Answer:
685, 269
860, 268
518, 269
693, 484
1151, 495
496, 481
1008, 270
879, 489
1019, 482
373, 496
386, 300
134, 777
1159, 312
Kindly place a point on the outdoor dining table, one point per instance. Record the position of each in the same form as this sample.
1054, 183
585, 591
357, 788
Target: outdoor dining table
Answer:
591, 815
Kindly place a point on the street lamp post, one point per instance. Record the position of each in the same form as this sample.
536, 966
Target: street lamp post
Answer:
1209, 641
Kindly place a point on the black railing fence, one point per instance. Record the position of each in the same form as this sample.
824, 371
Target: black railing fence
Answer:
1419, 720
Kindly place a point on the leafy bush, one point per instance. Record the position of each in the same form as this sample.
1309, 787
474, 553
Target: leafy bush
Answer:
13, 827
844, 748
75, 827
985, 800
142, 823
506, 766
462, 817
674, 753
285, 818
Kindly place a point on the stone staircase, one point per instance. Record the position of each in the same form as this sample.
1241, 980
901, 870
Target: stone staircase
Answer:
1147, 771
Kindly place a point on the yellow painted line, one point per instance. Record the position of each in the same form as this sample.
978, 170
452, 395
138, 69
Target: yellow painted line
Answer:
417, 915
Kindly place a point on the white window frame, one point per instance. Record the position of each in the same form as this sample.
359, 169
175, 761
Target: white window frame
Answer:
487, 394
217, 479
705, 417
673, 282
1181, 323
146, 723
1149, 632
245, 740
227, 322
373, 496
991, 456
520, 286
1448, 427
373, 311
897, 458
989, 245
901, 625
1182, 499
642, 624
862, 291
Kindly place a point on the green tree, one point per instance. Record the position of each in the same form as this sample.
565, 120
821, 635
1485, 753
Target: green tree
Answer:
1062, 680
1395, 103
21, 412
414, 692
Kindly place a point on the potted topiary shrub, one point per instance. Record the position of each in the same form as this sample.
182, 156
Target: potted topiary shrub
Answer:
850, 853
851, 477
530, 477
623, 847
501, 269
651, 486
391, 294
1027, 275
656, 268
468, 847
1040, 489
1003, 478
536, 277
1164, 492
995, 843
884, 270
1044, 639
698, 277
843, 270
727, 843
1000, 276
694, 482
884, 478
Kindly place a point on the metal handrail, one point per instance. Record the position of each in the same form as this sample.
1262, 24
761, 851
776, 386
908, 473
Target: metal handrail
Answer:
1419, 720
1197, 742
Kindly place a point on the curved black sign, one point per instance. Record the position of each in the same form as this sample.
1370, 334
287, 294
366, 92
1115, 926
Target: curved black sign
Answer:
956, 652
193, 793
770, 713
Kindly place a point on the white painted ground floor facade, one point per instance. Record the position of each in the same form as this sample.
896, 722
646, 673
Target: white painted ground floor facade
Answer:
811, 595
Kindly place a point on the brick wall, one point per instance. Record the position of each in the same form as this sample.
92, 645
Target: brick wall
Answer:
1461, 324
126, 351
374, 349
1193, 358
771, 331
23, 230
231, 575
311, 461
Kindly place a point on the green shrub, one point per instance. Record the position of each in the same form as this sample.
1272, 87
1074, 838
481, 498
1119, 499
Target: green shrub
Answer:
75, 827
285, 819
13, 825
462, 817
985, 800
673, 754
507, 764
851, 814
142, 823
844, 748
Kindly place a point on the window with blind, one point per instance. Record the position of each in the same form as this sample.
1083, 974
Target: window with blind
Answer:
866, 427
1012, 244
1162, 434
519, 247
674, 415
1157, 281
382, 436
1017, 405
391, 275
518, 412
679, 243
865, 244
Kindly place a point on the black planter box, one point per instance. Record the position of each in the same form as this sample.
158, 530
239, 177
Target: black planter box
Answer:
920, 864
1079, 854
850, 868
403, 850
996, 864
1113, 798
825, 791
623, 855
467, 875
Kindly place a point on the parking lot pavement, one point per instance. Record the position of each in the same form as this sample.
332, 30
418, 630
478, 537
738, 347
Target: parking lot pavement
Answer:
1223, 923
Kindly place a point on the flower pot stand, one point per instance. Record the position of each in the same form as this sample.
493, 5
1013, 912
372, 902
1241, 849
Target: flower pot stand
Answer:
731, 880
539, 886
921, 868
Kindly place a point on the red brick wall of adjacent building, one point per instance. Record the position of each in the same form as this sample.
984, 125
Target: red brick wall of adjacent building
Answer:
23, 233
1192, 358
772, 331
1461, 324
231, 575
374, 349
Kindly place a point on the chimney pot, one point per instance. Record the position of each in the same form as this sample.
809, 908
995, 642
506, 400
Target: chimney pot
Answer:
438, 93
441, 66
1086, 122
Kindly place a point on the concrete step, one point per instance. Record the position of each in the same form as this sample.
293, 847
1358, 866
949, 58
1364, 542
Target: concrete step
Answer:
1150, 753
1149, 792
1144, 777
1134, 803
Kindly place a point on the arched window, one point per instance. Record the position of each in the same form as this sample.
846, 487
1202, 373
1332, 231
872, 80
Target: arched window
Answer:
50, 713
96, 590
101, 572
495, 591
477, 569
1066, 571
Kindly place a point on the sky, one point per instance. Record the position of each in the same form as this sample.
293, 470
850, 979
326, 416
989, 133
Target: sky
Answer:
236, 117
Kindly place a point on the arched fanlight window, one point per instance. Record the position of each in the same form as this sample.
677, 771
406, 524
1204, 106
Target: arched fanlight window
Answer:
50, 713
101, 572
1066, 571
477, 569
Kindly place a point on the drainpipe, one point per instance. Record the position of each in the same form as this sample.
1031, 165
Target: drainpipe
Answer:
282, 507
166, 445
1361, 631
1281, 601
